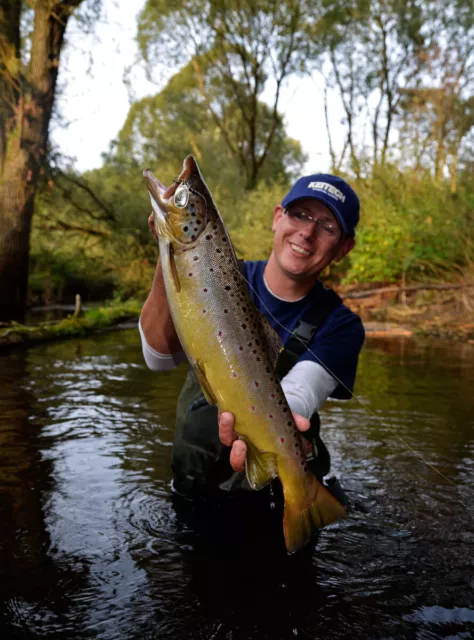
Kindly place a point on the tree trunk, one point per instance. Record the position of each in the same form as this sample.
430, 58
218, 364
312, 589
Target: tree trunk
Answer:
25, 113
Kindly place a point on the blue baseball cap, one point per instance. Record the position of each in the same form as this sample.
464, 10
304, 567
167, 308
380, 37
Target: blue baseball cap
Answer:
332, 191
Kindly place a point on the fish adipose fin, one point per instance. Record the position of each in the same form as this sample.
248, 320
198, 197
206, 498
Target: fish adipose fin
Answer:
201, 376
274, 344
173, 268
260, 467
300, 519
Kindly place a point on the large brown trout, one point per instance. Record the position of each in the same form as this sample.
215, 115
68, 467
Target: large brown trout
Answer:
232, 348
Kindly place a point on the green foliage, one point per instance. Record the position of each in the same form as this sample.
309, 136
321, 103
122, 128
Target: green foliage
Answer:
411, 226
252, 235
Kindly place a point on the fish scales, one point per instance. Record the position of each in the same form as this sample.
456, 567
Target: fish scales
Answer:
228, 343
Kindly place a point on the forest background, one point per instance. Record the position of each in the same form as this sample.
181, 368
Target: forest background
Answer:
402, 71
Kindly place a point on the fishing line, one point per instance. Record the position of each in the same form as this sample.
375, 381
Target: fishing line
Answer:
363, 404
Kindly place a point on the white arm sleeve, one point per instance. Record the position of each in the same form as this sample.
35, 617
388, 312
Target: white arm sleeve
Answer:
307, 386
159, 361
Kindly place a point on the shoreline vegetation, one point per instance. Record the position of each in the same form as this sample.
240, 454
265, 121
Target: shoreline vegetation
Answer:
81, 323
440, 310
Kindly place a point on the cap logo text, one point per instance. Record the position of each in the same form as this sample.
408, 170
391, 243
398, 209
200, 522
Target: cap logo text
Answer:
328, 188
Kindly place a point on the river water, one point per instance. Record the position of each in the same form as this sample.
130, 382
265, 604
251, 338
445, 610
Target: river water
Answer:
93, 545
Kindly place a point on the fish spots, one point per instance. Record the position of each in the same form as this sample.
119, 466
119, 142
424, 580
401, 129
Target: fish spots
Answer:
204, 310
227, 288
219, 334
226, 311
256, 383
234, 375
195, 258
241, 348
185, 228
282, 440
273, 395
208, 237
205, 290
244, 326
211, 269
252, 408
193, 237
289, 424
270, 415
190, 274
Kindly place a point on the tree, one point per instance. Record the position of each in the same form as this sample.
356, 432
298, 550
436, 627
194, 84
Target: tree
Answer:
162, 129
31, 41
371, 55
238, 49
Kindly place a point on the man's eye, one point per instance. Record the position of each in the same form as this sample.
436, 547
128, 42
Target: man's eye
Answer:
329, 229
299, 215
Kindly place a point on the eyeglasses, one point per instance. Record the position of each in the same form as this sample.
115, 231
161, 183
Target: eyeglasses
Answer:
325, 229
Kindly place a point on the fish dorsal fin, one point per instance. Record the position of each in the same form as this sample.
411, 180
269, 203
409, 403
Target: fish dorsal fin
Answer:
274, 344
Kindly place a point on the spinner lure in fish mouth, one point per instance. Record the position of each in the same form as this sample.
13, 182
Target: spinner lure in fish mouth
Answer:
181, 210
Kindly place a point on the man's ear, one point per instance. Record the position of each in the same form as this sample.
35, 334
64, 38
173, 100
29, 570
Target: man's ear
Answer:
278, 212
346, 245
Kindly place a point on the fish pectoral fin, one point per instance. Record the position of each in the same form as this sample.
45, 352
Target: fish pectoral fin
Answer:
260, 466
174, 269
201, 376
274, 344
317, 508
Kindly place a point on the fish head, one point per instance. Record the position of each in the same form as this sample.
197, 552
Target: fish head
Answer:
181, 211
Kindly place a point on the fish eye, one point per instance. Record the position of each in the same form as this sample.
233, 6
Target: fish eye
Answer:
181, 196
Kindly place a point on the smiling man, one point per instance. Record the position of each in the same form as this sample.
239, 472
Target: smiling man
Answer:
313, 226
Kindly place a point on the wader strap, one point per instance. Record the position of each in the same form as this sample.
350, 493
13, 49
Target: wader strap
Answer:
305, 331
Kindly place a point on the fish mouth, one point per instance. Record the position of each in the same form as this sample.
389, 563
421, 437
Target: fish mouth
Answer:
160, 195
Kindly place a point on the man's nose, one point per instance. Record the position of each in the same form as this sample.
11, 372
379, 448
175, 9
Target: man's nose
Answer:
309, 230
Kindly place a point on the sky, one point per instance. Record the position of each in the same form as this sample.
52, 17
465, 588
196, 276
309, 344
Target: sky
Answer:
94, 100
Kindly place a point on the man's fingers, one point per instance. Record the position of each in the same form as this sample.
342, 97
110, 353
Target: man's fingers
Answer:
227, 434
237, 455
302, 423
151, 224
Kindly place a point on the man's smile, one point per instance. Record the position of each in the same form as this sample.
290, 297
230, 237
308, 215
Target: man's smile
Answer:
300, 250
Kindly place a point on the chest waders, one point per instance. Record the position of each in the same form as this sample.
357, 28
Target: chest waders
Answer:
200, 463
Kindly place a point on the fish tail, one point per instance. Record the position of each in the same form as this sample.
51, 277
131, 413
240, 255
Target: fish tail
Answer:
301, 517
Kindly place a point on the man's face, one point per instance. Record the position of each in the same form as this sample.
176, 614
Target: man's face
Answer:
304, 251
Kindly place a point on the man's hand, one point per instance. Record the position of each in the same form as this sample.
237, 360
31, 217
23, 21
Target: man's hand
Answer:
228, 437
151, 225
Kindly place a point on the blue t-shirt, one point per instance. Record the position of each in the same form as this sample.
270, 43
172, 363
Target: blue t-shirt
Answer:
337, 342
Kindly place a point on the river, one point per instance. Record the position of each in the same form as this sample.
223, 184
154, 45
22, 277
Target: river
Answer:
93, 545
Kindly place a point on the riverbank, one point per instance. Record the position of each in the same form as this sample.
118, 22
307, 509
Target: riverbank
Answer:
386, 312
443, 312
82, 323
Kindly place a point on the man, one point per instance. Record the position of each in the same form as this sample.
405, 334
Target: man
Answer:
313, 226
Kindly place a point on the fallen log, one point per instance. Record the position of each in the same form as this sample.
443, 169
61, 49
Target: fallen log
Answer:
353, 295
74, 325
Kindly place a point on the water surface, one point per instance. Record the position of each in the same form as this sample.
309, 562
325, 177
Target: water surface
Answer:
93, 545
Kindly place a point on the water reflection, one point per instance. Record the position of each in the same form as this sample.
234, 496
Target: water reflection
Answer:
92, 543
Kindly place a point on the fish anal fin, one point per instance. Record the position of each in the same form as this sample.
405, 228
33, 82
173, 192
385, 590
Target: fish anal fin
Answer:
174, 269
260, 466
274, 344
201, 376
301, 519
